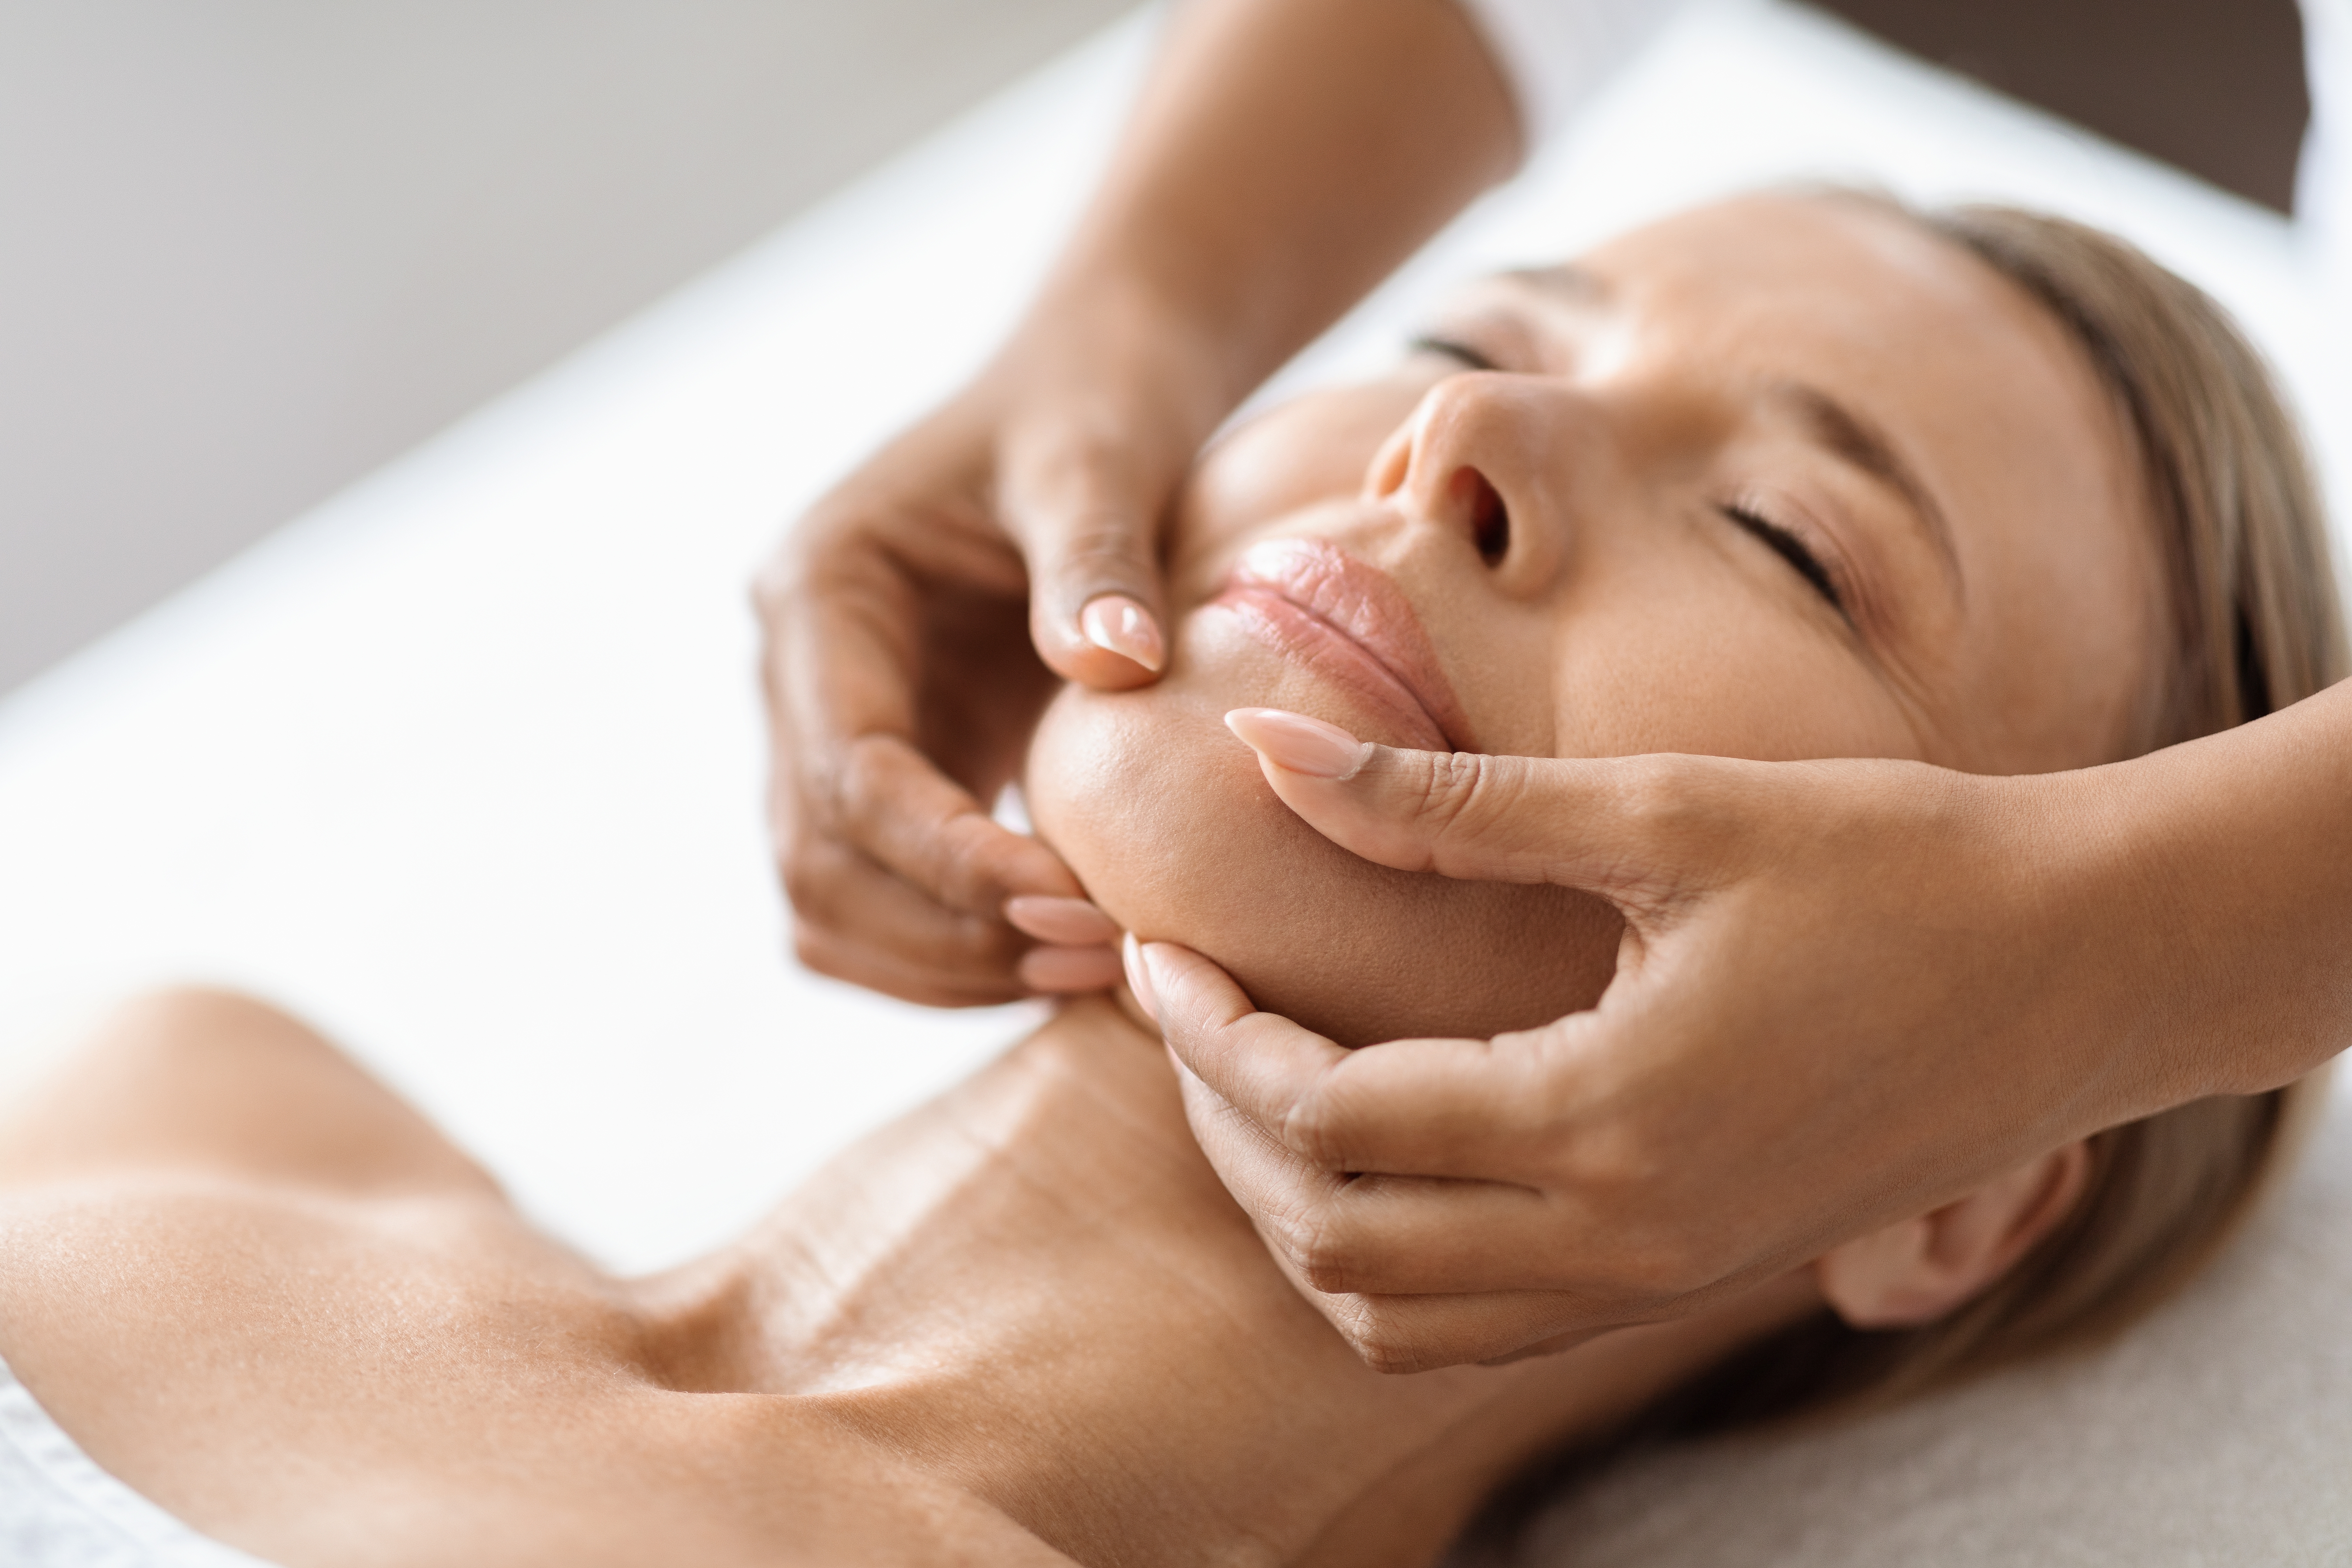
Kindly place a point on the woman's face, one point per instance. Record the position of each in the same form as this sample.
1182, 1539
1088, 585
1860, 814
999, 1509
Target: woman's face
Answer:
1779, 479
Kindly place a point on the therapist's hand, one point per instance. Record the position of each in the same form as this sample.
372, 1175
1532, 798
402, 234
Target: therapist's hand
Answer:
1284, 156
916, 621
1847, 992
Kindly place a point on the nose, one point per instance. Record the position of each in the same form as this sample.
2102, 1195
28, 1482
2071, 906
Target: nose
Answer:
1501, 461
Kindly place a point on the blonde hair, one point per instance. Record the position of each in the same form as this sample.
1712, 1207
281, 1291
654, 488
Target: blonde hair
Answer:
2257, 623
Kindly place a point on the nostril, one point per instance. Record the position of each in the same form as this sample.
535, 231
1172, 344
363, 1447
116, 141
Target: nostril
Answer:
1490, 520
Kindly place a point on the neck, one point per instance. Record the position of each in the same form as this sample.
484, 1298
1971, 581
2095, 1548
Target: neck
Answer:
1037, 1286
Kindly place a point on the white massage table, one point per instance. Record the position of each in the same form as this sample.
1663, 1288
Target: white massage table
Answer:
466, 766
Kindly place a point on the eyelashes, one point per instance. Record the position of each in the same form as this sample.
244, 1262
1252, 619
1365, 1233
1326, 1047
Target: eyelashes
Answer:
1782, 542
1792, 550
1454, 349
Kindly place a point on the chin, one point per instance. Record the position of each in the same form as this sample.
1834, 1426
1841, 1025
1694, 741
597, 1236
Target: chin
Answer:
1166, 819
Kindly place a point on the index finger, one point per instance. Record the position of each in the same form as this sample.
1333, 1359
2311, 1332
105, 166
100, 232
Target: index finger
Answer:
840, 675
1465, 1109
887, 798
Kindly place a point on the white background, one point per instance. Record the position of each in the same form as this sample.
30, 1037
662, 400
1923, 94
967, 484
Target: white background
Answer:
251, 248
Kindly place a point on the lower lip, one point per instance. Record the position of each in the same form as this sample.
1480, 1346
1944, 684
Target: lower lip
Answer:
1301, 634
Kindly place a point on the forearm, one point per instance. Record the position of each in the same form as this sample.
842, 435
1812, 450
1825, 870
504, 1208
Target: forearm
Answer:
2220, 897
1287, 156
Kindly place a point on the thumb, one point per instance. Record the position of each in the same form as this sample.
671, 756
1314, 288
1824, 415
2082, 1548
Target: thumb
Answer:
1086, 521
1634, 830
1096, 608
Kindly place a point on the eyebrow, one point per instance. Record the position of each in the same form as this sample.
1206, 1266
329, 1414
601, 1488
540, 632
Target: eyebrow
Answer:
1850, 436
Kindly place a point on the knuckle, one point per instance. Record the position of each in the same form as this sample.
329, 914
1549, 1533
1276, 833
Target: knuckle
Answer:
868, 798
811, 882
1305, 1231
966, 869
1379, 1341
1448, 782
1670, 820
818, 952
809, 802
1312, 1128
819, 874
882, 799
1295, 1235
1389, 1356
1324, 1257
873, 797
856, 786
1456, 793
1665, 799
1653, 785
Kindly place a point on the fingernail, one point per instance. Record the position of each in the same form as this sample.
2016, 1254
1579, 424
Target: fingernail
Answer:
1303, 745
1067, 969
1139, 976
1126, 628
1074, 923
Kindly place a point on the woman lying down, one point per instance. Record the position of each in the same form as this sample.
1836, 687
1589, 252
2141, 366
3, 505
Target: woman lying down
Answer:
1790, 476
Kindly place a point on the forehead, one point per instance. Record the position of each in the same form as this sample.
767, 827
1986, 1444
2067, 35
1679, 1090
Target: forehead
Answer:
1858, 298
1985, 395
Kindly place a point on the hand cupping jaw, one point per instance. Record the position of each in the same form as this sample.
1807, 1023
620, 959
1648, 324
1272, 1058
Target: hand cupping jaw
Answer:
1165, 817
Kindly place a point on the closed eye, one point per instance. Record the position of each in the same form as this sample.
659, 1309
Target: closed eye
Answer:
1454, 349
1792, 550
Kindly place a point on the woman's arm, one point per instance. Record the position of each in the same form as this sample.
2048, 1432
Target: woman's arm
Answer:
1848, 991
208, 1083
1286, 154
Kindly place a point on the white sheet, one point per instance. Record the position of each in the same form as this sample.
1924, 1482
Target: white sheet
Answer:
465, 765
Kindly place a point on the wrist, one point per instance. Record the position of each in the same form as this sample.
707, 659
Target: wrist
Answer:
1106, 376
2203, 908
1123, 337
2101, 892
1286, 155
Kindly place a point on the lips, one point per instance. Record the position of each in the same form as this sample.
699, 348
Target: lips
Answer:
1348, 621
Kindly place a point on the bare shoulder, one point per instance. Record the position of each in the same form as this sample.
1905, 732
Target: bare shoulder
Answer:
227, 1244
208, 1080
261, 1289
320, 1380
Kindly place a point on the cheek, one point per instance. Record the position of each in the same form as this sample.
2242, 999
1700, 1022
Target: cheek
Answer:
1165, 819
1311, 448
2065, 658
1308, 452
1718, 673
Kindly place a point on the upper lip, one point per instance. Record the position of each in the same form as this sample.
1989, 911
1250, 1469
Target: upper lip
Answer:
1362, 603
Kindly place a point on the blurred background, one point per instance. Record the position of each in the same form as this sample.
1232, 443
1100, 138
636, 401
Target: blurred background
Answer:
249, 249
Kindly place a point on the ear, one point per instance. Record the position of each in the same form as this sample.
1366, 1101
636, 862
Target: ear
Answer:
1915, 1272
